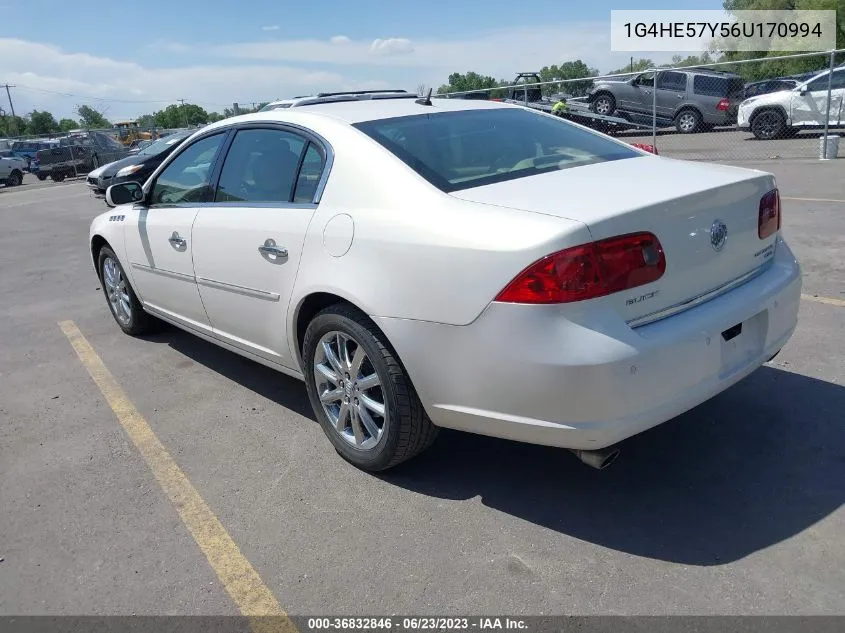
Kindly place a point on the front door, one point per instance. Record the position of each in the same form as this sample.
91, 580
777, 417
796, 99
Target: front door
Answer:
638, 97
810, 108
248, 242
160, 247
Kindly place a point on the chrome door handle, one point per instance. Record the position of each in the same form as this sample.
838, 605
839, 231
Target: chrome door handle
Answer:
176, 239
272, 249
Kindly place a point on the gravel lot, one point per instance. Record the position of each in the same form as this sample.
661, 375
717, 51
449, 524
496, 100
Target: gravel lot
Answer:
733, 508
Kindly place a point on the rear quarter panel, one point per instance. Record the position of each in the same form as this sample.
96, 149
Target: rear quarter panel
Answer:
416, 252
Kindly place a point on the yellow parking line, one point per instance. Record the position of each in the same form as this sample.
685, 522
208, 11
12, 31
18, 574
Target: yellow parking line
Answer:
815, 199
828, 300
253, 598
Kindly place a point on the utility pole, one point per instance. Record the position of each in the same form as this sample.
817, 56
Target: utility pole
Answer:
12, 107
182, 103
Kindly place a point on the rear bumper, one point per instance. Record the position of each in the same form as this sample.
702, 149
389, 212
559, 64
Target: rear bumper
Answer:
587, 380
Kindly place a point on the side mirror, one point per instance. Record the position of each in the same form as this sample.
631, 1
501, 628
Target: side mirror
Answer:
124, 193
802, 90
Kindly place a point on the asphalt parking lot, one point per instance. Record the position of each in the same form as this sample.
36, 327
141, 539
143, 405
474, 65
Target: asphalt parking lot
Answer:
734, 508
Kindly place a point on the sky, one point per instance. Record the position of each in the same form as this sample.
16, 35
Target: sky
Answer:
130, 58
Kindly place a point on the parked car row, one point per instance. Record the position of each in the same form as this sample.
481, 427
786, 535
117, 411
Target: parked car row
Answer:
696, 100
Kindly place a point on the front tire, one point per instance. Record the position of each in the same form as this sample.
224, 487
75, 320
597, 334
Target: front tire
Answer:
768, 125
360, 393
120, 296
41, 177
14, 179
603, 104
57, 176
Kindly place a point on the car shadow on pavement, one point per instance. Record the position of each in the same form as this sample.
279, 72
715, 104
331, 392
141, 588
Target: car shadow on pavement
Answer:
752, 467
756, 465
269, 383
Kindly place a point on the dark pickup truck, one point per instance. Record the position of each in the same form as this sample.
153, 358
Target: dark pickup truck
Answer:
77, 155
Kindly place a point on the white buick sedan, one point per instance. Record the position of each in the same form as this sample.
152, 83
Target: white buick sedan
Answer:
462, 264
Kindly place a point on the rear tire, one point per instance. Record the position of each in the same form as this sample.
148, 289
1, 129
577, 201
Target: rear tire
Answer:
124, 305
688, 121
57, 177
41, 177
14, 179
336, 388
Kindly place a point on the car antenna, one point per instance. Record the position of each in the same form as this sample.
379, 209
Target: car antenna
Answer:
425, 100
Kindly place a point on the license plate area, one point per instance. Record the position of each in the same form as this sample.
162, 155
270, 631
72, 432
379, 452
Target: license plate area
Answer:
743, 343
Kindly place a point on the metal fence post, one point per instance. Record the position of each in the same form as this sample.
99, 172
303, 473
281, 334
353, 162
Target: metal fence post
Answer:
654, 110
827, 113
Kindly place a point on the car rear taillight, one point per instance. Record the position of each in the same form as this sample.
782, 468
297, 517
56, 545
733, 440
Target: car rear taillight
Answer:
768, 219
589, 271
645, 147
723, 104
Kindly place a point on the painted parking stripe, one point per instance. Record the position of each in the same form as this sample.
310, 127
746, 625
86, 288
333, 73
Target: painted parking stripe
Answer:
827, 300
814, 199
252, 597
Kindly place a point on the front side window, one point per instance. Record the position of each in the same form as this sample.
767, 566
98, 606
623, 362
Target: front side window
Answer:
472, 148
260, 166
820, 84
186, 179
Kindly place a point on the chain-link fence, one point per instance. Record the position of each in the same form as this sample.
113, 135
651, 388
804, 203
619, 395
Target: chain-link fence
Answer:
740, 111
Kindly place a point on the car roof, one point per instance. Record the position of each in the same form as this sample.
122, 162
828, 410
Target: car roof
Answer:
358, 111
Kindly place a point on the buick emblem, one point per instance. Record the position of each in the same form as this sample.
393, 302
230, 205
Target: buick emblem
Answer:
718, 235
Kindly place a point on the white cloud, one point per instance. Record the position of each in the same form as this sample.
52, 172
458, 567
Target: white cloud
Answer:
430, 60
274, 27
392, 46
49, 69
340, 39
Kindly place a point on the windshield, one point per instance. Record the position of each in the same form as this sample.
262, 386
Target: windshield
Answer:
162, 144
471, 148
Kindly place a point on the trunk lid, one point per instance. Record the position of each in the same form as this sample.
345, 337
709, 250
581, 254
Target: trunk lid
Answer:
680, 202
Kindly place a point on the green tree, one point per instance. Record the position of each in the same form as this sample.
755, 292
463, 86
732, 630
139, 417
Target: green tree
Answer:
213, 117
778, 68
465, 82
42, 123
91, 118
12, 126
174, 116
146, 121
637, 66
66, 125
568, 70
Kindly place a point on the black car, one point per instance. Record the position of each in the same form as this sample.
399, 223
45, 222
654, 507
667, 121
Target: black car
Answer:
137, 167
767, 86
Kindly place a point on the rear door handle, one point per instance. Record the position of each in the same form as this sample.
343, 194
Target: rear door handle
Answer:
272, 249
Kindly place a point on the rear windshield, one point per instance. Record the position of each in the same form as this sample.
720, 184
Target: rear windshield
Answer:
713, 86
471, 148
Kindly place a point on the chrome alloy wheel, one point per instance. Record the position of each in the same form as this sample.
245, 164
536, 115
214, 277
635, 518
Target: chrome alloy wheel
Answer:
687, 121
117, 291
603, 105
350, 390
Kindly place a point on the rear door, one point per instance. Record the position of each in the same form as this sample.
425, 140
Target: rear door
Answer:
248, 242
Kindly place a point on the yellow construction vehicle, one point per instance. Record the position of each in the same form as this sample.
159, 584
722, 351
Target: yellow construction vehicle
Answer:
128, 132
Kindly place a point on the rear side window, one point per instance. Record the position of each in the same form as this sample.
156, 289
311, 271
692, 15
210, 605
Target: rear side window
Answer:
672, 81
472, 148
716, 86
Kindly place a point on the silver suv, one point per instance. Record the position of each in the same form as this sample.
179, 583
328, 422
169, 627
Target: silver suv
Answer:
692, 100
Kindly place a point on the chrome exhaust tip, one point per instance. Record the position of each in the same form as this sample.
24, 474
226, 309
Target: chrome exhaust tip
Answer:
599, 459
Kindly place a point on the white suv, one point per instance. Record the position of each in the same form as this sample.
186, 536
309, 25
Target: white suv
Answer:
784, 113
